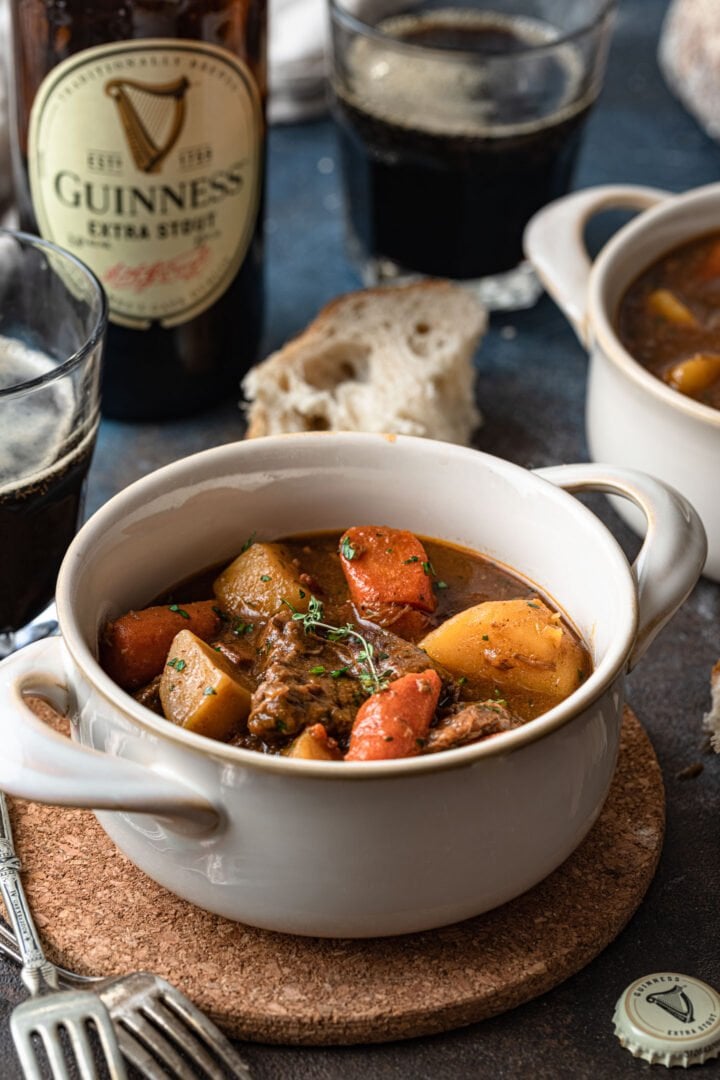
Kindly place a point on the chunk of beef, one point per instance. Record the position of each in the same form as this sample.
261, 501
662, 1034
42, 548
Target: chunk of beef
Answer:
466, 723
305, 679
238, 650
403, 657
149, 695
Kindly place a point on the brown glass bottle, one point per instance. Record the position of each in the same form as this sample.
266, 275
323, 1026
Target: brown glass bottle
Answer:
140, 147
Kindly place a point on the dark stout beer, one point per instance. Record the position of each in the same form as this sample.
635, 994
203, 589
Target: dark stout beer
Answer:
444, 161
45, 452
141, 150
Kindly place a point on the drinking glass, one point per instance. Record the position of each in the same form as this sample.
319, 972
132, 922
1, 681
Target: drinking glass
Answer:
457, 120
52, 324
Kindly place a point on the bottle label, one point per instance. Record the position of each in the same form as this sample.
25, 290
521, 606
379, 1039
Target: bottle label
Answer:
145, 161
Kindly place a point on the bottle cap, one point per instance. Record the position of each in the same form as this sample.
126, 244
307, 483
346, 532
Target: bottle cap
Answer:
669, 1019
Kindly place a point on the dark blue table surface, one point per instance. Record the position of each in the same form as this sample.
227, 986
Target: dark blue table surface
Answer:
531, 384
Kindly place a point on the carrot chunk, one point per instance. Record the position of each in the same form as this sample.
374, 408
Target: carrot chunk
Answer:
394, 723
710, 266
386, 566
133, 648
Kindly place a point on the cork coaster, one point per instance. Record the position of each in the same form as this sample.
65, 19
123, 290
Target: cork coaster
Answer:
99, 915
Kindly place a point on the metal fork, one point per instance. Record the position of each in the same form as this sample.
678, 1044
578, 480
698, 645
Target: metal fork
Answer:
153, 1022
50, 1011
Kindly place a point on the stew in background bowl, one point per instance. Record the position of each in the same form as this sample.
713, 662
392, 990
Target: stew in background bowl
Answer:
669, 319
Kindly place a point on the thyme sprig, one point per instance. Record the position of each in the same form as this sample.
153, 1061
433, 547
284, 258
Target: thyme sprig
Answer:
371, 679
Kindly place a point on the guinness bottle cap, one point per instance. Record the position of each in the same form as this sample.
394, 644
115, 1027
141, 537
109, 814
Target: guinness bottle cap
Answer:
669, 1019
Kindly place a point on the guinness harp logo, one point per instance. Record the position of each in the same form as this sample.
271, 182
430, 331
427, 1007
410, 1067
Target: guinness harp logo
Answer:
152, 116
674, 1001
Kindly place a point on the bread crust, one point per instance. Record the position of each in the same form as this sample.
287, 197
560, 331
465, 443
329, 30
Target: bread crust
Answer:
438, 327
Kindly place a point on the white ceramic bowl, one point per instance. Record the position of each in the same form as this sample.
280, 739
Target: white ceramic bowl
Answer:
331, 848
633, 418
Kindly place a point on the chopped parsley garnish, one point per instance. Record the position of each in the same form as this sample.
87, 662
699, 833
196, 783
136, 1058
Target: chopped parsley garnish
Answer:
209, 691
429, 569
248, 543
530, 604
441, 585
486, 637
319, 669
413, 558
265, 577
339, 672
462, 680
177, 663
347, 550
220, 614
241, 628
302, 594
179, 611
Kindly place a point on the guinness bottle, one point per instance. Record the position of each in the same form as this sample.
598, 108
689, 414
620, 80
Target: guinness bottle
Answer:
140, 148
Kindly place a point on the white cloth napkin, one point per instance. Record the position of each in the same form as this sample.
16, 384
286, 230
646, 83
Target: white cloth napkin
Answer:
298, 33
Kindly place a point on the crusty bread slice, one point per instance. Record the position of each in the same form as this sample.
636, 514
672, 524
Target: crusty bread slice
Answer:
396, 359
711, 719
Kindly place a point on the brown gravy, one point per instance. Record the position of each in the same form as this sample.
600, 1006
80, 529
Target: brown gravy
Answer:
669, 319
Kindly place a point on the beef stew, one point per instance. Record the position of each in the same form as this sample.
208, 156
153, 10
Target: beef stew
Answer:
669, 319
364, 645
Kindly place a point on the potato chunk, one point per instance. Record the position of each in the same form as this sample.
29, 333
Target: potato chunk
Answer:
694, 375
200, 691
518, 644
668, 306
314, 744
259, 581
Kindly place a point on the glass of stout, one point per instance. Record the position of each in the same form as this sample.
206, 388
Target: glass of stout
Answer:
52, 327
457, 120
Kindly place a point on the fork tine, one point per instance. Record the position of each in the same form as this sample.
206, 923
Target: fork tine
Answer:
56, 1057
143, 1030
138, 1056
81, 1048
107, 1035
175, 1029
26, 1053
205, 1030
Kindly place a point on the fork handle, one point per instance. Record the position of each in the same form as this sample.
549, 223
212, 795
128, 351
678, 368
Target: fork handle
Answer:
38, 974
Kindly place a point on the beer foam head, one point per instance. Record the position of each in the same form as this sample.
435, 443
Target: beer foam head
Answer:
35, 426
459, 92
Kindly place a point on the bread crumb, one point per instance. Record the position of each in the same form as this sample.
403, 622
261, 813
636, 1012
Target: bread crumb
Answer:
711, 719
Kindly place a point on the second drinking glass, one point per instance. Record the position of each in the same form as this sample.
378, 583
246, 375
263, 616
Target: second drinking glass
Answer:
456, 123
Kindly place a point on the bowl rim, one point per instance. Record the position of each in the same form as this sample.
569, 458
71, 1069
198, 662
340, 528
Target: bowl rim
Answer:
167, 477
598, 320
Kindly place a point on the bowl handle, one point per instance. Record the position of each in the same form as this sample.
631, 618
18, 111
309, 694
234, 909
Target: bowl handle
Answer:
673, 552
40, 764
555, 245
